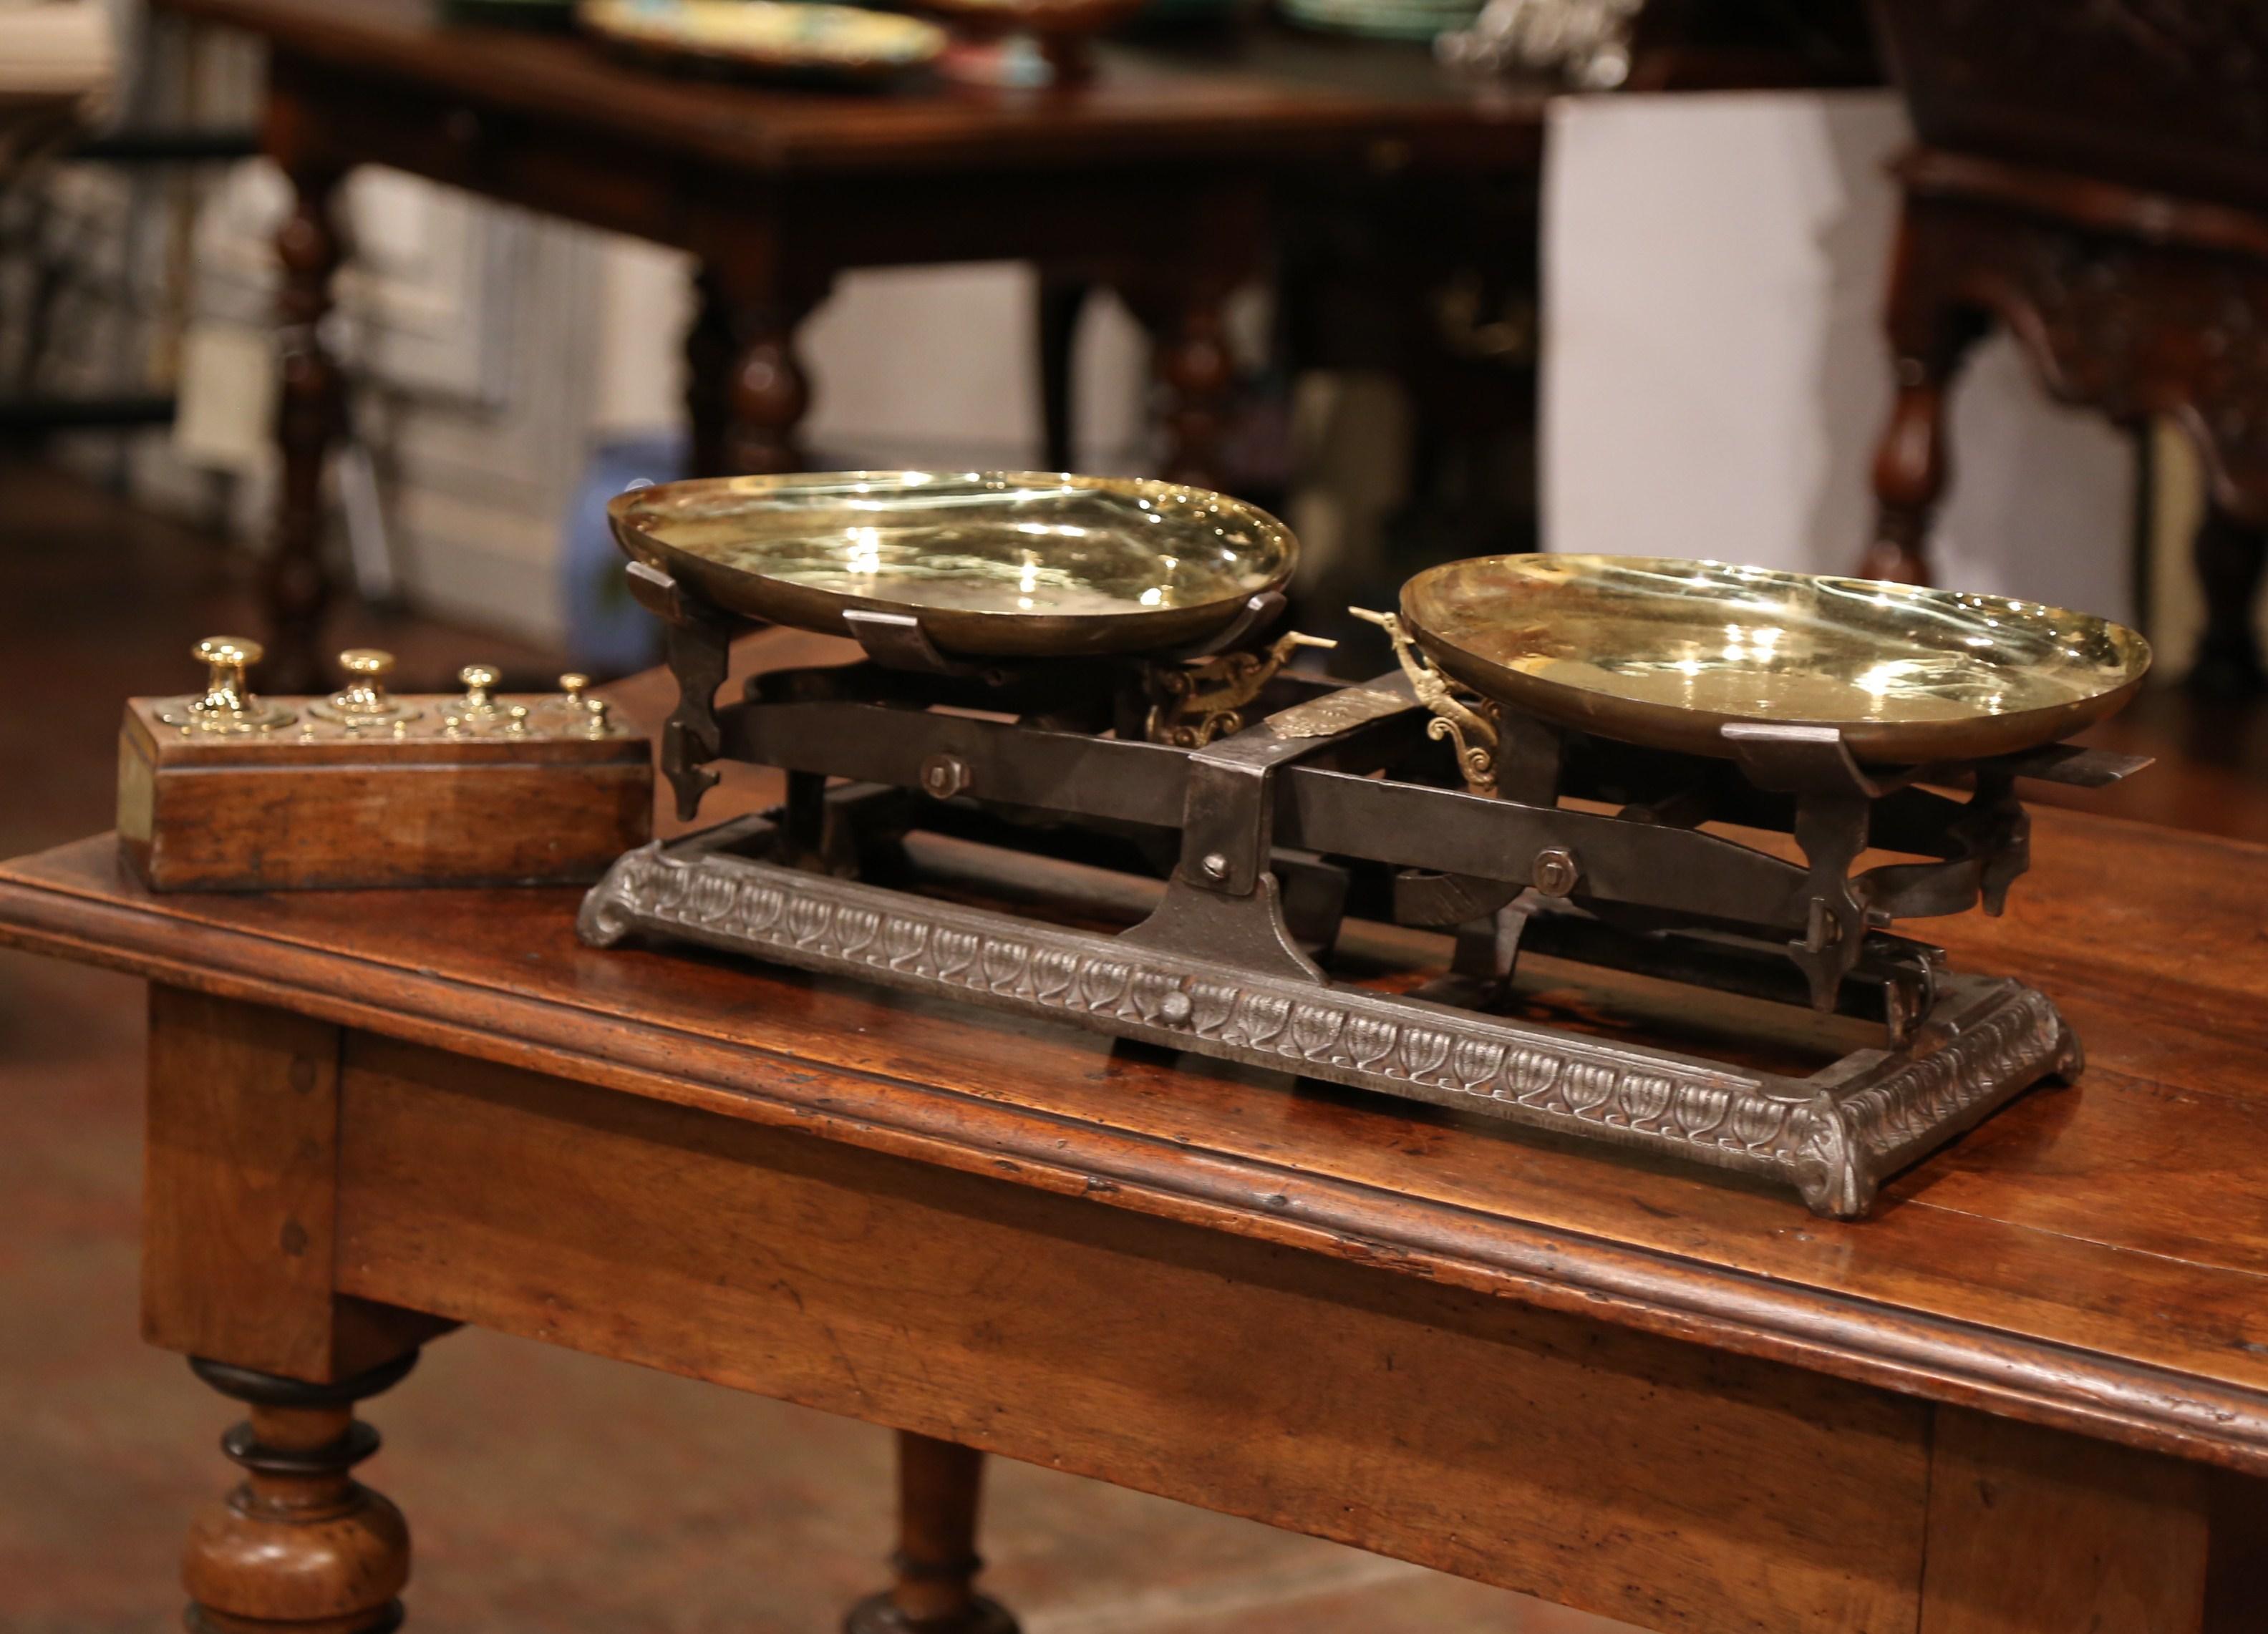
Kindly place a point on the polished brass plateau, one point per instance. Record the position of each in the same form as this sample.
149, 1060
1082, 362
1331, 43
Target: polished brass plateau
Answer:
997, 564
363, 709
1262, 832
1668, 653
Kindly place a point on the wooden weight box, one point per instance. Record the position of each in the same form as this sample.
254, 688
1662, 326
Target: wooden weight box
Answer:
228, 792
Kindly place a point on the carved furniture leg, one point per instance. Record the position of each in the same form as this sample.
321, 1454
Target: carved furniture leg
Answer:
310, 414
2229, 555
1195, 373
299, 1546
1062, 300
1929, 335
766, 392
937, 1561
708, 356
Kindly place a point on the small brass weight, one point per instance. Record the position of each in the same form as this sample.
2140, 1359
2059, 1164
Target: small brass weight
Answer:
586, 716
228, 703
479, 712
364, 700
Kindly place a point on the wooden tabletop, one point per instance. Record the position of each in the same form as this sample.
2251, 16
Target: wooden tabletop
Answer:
1259, 94
2094, 1258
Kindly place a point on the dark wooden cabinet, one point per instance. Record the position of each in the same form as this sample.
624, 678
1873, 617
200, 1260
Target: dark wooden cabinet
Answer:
2095, 179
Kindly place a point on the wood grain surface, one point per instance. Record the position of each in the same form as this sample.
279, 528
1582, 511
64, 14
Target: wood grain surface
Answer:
271, 812
2029, 1530
1651, 1480
240, 1195
2090, 1258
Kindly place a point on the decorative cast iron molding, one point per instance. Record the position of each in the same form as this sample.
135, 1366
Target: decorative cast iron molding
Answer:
1833, 1138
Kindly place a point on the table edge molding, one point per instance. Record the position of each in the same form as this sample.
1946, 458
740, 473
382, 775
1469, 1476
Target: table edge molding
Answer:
1907, 1352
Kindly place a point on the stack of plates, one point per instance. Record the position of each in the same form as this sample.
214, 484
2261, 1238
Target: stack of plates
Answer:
1383, 19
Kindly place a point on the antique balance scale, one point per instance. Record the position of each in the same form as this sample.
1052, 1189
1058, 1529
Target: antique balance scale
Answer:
1073, 686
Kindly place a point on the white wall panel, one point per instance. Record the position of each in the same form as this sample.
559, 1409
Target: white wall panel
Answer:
1715, 372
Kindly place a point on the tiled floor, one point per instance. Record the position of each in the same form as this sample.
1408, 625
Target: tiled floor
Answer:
546, 1491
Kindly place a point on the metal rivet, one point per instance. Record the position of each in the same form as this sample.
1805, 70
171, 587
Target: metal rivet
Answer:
1214, 867
1555, 872
944, 776
1175, 1009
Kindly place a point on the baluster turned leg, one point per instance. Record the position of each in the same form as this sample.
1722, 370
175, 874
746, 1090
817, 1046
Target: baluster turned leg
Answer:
1929, 335
2229, 555
766, 390
939, 1484
710, 351
299, 1546
1063, 297
311, 415
1196, 374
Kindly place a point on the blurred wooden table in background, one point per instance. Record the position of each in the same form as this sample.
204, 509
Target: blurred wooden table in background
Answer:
1154, 178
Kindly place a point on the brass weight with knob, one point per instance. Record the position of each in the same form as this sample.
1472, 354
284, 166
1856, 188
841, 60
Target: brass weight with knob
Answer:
228, 704
586, 716
364, 700
480, 711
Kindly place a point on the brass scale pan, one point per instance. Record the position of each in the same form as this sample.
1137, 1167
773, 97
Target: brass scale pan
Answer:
1657, 652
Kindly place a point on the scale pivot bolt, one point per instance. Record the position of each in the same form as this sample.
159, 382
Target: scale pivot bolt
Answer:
944, 776
1175, 1008
1214, 867
1555, 872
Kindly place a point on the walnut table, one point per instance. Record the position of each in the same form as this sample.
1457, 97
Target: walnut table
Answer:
2031, 1394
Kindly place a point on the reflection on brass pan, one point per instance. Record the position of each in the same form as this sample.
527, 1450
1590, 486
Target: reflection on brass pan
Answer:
994, 564
1664, 652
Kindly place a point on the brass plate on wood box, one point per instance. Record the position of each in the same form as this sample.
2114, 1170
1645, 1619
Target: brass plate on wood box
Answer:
225, 792
1666, 653
994, 564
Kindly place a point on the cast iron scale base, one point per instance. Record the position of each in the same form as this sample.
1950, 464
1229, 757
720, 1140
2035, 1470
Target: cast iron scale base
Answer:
1334, 802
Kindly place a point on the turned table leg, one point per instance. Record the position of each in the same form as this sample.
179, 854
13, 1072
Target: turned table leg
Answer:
1930, 332
299, 1546
1062, 299
310, 414
937, 1562
2229, 555
709, 351
766, 392
1195, 375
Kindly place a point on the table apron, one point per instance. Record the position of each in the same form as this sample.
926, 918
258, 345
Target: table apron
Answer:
1144, 214
1651, 1480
